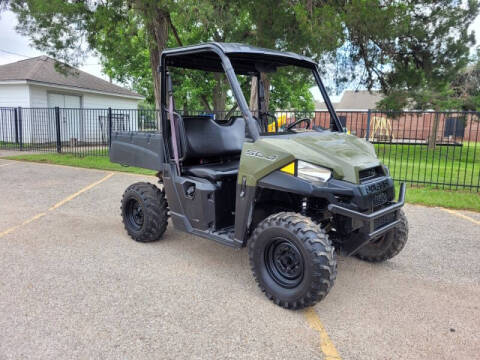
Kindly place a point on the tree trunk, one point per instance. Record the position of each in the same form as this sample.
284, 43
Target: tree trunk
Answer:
156, 23
154, 64
219, 96
266, 84
432, 140
254, 94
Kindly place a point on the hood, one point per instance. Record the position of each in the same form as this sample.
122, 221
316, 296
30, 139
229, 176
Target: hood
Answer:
344, 154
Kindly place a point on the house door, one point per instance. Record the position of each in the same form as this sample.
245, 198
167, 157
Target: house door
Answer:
70, 115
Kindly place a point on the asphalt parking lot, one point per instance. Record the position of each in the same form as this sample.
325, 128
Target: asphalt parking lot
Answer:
74, 285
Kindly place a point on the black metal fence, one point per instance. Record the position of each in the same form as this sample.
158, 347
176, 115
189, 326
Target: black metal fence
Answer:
438, 149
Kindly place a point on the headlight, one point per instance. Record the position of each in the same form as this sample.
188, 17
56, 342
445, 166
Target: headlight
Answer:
313, 173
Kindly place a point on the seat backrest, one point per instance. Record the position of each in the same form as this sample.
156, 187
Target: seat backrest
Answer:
206, 138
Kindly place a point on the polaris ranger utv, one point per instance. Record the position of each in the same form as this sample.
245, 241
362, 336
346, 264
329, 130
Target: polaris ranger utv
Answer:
294, 197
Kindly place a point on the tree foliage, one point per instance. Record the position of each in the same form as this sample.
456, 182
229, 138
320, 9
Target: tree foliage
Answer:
433, 48
466, 85
412, 49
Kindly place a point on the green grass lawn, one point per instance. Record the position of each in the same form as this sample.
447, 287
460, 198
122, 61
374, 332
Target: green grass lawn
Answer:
9, 145
89, 162
453, 199
457, 199
444, 165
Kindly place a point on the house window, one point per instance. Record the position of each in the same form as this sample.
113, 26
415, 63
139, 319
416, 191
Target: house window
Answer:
454, 126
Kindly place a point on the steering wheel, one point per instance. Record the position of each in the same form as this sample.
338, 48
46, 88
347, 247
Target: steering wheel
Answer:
295, 123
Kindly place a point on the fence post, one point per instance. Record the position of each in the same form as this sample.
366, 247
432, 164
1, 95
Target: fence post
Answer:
368, 123
20, 131
57, 126
15, 119
109, 127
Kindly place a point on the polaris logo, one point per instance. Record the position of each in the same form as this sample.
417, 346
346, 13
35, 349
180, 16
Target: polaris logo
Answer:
260, 155
375, 187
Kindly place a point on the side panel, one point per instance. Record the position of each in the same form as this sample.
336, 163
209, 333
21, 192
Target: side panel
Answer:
195, 205
244, 211
144, 150
257, 160
193, 198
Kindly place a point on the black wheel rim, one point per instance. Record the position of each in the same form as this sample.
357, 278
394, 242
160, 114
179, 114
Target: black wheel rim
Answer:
134, 214
284, 262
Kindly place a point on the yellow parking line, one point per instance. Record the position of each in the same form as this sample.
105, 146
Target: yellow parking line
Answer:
13, 228
326, 344
56, 206
73, 196
459, 214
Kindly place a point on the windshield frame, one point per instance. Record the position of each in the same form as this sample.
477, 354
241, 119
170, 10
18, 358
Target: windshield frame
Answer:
335, 124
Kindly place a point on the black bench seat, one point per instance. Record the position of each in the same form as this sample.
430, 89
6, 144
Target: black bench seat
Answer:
213, 172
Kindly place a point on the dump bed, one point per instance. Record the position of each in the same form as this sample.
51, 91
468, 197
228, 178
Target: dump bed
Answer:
141, 149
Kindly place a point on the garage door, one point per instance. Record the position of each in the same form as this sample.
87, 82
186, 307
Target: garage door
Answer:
70, 115
63, 101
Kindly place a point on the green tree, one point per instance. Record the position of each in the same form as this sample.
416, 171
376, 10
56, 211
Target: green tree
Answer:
466, 85
119, 30
222, 21
416, 62
411, 49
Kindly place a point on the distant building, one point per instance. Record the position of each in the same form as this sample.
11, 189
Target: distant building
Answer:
37, 87
36, 83
354, 100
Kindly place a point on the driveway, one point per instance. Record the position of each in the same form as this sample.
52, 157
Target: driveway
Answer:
74, 285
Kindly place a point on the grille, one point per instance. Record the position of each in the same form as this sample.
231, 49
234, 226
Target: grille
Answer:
384, 220
369, 174
380, 199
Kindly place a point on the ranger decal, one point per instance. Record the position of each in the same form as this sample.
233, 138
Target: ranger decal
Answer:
258, 154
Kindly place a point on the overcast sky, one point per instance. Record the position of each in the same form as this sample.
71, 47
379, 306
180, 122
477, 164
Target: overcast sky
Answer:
14, 47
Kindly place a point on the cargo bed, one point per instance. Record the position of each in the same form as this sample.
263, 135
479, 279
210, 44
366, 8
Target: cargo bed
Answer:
140, 149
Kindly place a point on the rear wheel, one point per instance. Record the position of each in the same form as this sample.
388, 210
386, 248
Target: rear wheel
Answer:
388, 245
144, 212
292, 259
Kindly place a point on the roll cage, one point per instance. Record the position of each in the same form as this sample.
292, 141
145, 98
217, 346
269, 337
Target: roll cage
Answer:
233, 59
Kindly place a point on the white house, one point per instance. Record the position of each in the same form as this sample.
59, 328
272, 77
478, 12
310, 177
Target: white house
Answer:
38, 87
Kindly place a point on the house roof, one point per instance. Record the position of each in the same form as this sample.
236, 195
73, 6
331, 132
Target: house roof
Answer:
42, 69
355, 100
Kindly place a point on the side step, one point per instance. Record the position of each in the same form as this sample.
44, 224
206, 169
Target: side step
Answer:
224, 236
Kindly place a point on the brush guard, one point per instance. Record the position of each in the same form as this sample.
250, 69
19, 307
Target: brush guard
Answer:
375, 224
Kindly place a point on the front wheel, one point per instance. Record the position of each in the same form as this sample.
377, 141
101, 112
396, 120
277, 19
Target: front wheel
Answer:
144, 212
388, 245
292, 259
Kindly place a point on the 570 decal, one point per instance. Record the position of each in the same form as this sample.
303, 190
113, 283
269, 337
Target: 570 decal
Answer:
260, 155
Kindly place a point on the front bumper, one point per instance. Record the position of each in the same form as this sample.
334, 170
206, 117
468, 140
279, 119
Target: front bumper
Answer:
374, 224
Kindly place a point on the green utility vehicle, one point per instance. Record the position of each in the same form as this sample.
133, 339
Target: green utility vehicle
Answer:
295, 197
